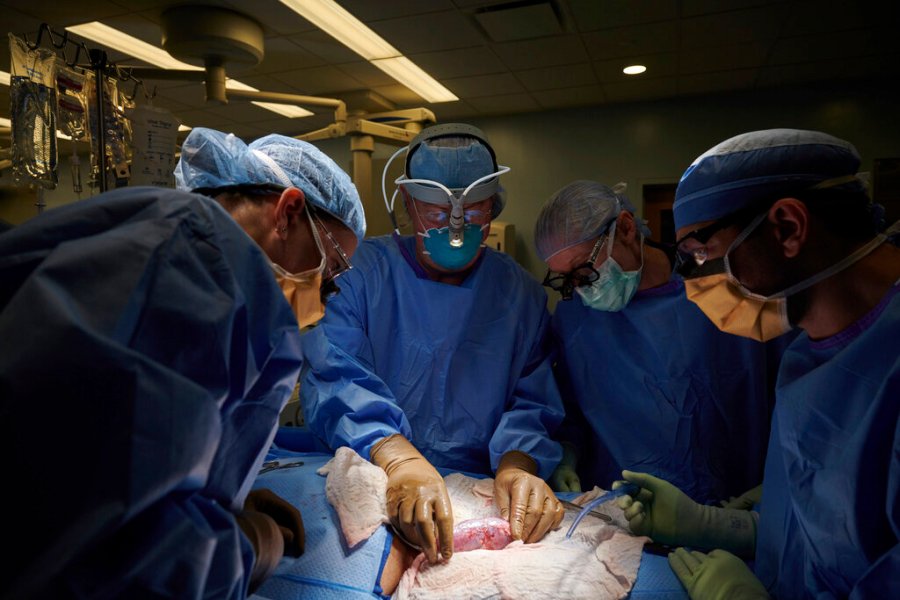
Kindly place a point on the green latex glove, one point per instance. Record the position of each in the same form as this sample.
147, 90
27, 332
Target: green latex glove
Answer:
417, 501
745, 501
524, 499
718, 575
664, 513
564, 477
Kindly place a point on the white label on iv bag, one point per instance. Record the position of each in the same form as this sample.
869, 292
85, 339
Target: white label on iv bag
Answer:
155, 132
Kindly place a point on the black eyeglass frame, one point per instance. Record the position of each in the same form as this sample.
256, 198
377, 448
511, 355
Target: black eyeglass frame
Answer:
582, 275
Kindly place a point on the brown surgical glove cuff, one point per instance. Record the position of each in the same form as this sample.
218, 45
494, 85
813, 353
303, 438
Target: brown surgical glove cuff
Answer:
516, 459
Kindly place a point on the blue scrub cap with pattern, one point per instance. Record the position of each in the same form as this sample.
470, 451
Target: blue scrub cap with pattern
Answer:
212, 159
762, 165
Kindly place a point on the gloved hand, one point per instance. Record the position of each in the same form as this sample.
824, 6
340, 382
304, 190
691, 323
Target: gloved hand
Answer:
745, 501
418, 504
664, 513
564, 477
524, 498
718, 575
285, 515
268, 545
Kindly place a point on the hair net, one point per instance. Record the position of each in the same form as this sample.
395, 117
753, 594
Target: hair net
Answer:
759, 165
580, 211
210, 158
454, 154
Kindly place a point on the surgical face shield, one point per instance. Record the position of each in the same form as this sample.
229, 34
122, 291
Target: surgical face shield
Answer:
455, 165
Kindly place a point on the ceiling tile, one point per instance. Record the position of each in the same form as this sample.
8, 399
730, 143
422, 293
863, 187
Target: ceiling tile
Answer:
823, 46
325, 47
705, 83
367, 74
565, 76
834, 70
530, 54
508, 22
701, 7
630, 41
658, 65
401, 95
722, 58
459, 63
457, 111
484, 85
641, 89
60, 15
429, 32
282, 55
319, 80
738, 27
814, 16
508, 104
591, 15
275, 17
564, 98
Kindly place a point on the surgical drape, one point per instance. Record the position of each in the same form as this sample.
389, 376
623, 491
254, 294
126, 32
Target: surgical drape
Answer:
830, 515
462, 371
662, 391
146, 354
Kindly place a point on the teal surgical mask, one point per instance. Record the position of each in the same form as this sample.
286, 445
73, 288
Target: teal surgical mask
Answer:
613, 290
437, 246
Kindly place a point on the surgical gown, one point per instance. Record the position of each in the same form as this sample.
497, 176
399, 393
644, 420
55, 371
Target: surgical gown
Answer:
830, 515
462, 371
146, 353
657, 388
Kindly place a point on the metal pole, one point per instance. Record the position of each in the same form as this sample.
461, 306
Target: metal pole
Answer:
98, 64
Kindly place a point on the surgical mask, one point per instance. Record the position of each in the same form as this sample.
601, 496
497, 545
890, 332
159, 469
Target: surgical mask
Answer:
615, 287
303, 290
438, 247
735, 309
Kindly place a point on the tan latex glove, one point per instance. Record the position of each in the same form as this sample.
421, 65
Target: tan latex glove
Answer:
268, 545
524, 498
417, 501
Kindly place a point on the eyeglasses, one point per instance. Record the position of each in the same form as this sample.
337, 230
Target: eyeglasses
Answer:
582, 275
687, 259
334, 271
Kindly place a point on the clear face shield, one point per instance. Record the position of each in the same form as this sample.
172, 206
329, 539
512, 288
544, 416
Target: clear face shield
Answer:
435, 192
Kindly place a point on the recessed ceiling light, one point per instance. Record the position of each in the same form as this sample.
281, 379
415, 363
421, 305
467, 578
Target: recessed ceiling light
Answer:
634, 69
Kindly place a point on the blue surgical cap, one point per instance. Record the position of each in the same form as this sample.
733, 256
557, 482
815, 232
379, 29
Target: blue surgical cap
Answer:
212, 159
757, 166
580, 211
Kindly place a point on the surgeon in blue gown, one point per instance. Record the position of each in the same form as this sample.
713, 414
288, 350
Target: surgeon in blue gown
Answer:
147, 350
653, 385
437, 355
775, 232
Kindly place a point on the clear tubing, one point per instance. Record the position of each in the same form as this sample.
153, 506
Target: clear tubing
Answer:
629, 488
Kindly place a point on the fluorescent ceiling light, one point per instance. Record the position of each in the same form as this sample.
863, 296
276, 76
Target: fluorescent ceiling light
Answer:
4, 77
328, 16
121, 41
634, 70
184, 128
344, 27
406, 72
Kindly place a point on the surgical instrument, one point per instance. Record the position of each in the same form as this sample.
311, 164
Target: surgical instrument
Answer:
628, 488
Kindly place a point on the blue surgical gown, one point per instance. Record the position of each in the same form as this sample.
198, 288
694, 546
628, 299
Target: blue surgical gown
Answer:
657, 388
146, 354
830, 516
462, 371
